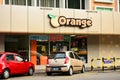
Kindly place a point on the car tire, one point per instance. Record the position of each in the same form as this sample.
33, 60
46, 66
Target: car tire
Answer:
83, 69
30, 71
70, 71
6, 74
48, 73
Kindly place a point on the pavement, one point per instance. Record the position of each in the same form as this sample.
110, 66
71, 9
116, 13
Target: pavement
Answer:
41, 68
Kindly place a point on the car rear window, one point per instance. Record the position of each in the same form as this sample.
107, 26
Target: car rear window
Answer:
57, 55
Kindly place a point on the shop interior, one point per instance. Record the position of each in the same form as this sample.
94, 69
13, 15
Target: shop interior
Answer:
44, 44
18, 44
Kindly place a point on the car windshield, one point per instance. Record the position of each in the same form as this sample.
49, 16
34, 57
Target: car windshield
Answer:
57, 55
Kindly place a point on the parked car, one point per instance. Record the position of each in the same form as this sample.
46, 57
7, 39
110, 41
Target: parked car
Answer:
65, 61
12, 63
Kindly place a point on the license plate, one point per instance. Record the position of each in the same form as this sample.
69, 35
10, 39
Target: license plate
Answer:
55, 69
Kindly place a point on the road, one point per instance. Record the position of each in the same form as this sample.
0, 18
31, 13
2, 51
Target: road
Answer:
91, 75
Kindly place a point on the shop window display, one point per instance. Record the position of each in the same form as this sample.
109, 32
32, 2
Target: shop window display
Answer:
59, 46
45, 44
79, 44
59, 42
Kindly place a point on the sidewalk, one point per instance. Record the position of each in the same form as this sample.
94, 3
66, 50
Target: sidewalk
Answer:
41, 68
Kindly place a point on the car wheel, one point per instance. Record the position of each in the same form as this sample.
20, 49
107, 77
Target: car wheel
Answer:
70, 72
6, 74
49, 73
30, 71
83, 69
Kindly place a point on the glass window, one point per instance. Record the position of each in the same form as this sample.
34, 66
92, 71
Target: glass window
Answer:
38, 2
119, 5
71, 55
57, 3
18, 2
0, 55
30, 2
57, 55
105, 1
18, 58
104, 9
82, 4
48, 3
75, 4
9, 57
76, 56
6, 1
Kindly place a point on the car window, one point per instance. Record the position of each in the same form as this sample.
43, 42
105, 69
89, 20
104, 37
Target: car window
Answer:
0, 55
9, 57
76, 56
18, 58
57, 55
71, 55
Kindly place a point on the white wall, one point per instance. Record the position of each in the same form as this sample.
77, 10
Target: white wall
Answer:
93, 48
107, 46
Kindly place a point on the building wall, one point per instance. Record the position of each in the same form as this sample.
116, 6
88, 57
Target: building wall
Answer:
93, 48
109, 46
103, 35
22, 19
104, 4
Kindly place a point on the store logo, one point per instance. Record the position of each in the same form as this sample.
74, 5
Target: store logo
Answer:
63, 21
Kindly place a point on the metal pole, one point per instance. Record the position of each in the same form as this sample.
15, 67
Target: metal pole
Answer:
102, 64
114, 63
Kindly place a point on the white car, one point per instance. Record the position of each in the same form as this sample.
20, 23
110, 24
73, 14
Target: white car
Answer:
64, 61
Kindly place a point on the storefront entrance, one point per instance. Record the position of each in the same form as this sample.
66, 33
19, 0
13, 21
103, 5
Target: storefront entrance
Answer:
18, 44
42, 45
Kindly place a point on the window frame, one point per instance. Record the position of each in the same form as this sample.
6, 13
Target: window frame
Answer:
104, 1
103, 8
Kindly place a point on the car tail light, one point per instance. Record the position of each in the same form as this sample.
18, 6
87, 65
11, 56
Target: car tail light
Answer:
66, 60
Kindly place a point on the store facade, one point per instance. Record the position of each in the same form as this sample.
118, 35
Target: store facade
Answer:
36, 31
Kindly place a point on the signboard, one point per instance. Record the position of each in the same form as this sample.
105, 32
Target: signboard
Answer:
39, 37
108, 61
56, 37
56, 21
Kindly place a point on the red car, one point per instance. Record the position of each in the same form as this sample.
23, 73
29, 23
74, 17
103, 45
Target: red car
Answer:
12, 63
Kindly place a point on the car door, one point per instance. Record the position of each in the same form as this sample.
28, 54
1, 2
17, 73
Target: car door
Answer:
12, 64
78, 63
22, 65
72, 60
